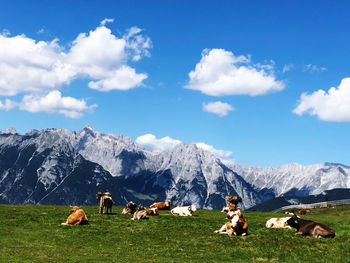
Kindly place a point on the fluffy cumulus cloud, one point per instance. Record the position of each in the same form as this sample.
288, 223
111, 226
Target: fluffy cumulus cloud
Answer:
53, 102
38, 67
219, 108
333, 105
150, 142
220, 73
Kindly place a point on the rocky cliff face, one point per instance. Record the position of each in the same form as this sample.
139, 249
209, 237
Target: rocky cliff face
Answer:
41, 167
58, 166
53, 165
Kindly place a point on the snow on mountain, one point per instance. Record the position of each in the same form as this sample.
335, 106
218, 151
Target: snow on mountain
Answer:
47, 166
198, 177
187, 174
43, 167
296, 179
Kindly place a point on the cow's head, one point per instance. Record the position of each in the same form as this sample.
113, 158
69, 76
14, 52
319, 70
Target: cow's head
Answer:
192, 208
98, 195
294, 221
74, 209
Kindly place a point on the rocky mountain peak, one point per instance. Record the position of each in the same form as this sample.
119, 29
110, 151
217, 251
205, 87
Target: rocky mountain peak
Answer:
10, 130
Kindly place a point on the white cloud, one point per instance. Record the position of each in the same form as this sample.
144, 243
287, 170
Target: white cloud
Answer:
53, 103
287, 68
219, 108
150, 142
221, 73
29, 66
106, 20
313, 68
333, 105
8, 105
139, 44
123, 78
222, 154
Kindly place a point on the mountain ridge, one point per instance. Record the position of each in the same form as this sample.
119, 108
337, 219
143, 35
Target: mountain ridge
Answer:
186, 174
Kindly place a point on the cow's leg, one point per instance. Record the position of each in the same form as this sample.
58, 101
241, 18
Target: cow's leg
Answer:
222, 230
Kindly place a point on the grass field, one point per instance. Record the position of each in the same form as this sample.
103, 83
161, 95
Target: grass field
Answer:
31, 233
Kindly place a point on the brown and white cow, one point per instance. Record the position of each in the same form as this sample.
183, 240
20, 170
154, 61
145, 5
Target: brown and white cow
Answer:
130, 208
310, 228
278, 222
140, 213
152, 212
106, 202
77, 217
161, 205
237, 226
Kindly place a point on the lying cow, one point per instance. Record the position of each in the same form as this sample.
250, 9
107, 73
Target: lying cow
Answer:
77, 217
183, 210
106, 202
310, 228
140, 213
233, 199
278, 222
152, 212
130, 208
237, 226
161, 205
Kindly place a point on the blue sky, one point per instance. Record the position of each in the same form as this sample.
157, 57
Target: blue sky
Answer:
124, 67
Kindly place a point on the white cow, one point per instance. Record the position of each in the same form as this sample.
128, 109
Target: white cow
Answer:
183, 210
278, 222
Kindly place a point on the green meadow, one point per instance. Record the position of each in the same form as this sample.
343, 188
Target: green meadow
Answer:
30, 233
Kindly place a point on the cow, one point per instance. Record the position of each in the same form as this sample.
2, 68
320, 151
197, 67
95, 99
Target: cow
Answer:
233, 199
278, 222
302, 212
228, 208
183, 210
139, 214
77, 217
237, 226
161, 205
106, 202
310, 228
130, 208
152, 212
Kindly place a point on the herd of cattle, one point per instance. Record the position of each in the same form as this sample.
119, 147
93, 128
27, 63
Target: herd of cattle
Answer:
237, 224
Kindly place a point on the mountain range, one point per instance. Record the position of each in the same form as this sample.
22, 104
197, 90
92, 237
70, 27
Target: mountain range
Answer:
59, 166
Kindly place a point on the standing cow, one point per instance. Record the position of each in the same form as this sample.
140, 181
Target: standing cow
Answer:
106, 202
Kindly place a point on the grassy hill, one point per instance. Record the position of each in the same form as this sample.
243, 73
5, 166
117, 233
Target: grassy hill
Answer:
34, 234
